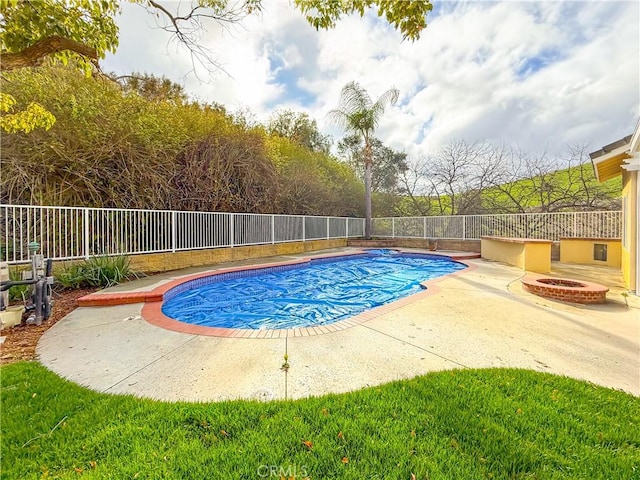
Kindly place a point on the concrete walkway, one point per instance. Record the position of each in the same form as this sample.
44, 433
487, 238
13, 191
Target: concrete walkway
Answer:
480, 318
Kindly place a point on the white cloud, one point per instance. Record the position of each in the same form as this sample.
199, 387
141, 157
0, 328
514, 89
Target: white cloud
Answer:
537, 74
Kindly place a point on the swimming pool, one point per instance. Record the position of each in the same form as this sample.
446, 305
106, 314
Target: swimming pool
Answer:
319, 292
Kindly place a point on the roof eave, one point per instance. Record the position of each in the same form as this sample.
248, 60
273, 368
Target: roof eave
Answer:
608, 160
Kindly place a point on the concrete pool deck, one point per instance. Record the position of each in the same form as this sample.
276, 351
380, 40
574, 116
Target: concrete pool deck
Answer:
478, 318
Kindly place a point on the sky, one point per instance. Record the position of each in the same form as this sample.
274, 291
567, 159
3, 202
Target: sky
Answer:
539, 75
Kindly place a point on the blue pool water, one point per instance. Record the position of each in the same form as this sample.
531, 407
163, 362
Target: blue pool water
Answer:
317, 293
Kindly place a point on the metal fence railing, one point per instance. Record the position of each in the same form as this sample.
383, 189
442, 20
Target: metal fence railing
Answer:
550, 226
66, 233
76, 232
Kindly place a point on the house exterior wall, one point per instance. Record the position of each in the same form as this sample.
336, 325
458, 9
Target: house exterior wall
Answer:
629, 228
627, 151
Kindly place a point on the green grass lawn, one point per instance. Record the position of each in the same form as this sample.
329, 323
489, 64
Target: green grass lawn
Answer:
465, 424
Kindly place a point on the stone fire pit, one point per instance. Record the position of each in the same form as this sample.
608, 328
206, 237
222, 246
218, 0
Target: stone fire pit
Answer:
565, 289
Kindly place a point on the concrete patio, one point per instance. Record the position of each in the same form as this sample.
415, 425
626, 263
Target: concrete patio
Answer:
479, 318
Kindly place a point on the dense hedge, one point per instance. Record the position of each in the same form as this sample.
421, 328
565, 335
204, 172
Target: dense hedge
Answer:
119, 147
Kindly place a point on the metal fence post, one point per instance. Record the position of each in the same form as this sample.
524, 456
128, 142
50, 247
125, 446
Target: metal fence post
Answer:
464, 227
174, 233
232, 223
304, 222
273, 229
393, 227
346, 227
327, 228
85, 216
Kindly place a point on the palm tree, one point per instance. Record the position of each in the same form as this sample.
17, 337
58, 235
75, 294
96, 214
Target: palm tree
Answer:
359, 114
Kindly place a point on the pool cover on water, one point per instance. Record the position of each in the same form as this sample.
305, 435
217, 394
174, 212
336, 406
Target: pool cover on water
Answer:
317, 293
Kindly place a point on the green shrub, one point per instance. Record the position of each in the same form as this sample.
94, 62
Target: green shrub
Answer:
102, 271
18, 292
72, 276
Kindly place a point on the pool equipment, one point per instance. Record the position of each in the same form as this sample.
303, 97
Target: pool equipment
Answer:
39, 303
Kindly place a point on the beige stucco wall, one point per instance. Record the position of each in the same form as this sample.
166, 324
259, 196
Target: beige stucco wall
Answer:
530, 255
511, 253
630, 228
537, 257
160, 262
580, 250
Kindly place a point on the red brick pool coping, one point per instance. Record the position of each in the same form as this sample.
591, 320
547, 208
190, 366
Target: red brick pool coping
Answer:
573, 291
152, 309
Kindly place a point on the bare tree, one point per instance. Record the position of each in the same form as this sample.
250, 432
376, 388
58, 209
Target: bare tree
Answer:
488, 164
586, 193
543, 183
458, 174
485, 178
417, 185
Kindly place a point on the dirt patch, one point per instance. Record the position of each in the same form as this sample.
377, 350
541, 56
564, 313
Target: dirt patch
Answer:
21, 340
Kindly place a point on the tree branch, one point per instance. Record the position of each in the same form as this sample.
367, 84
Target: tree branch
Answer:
31, 56
188, 28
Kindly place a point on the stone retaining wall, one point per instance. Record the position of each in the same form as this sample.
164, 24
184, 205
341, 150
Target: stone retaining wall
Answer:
167, 261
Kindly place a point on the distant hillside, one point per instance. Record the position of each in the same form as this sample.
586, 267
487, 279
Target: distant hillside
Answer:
569, 189
573, 188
